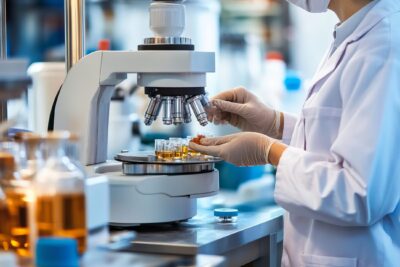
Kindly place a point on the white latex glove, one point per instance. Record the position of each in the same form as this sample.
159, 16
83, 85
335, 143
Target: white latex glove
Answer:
241, 149
243, 110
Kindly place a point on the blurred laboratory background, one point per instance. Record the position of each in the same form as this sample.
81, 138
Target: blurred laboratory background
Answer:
267, 46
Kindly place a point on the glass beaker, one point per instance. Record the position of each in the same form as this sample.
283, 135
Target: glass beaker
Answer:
159, 148
176, 144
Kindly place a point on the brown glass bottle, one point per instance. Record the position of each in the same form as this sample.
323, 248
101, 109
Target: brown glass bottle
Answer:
15, 202
60, 194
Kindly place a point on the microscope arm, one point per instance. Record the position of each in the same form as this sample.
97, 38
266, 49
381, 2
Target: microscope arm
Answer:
83, 103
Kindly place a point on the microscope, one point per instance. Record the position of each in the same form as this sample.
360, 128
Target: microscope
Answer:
143, 190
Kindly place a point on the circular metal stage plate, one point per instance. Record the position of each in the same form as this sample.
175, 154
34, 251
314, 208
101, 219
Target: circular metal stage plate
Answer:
146, 163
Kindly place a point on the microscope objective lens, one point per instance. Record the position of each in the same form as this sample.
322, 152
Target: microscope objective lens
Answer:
148, 117
198, 109
177, 113
167, 118
153, 110
187, 115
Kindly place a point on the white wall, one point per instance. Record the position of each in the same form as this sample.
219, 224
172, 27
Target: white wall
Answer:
312, 35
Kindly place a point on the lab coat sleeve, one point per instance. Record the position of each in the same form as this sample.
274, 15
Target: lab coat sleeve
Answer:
289, 122
358, 183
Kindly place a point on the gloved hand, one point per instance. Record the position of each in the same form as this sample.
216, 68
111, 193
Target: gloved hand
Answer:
243, 110
241, 149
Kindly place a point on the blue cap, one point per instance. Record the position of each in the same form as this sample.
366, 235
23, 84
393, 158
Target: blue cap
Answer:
57, 252
225, 212
292, 81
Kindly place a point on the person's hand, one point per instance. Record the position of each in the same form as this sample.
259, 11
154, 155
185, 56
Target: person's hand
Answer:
243, 110
241, 149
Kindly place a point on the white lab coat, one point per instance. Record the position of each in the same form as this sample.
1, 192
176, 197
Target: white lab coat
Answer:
339, 179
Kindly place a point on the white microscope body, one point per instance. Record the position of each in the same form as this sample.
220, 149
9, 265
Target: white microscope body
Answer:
169, 68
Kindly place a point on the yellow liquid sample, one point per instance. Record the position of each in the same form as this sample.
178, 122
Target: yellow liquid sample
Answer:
63, 215
178, 155
185, 151
167, 155
159, 154
194, 154
14, 231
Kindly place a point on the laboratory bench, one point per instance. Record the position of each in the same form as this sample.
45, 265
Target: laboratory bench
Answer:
109, 258
119, 259
255, 239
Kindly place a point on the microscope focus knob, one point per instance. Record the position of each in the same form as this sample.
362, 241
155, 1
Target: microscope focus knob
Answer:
167, 19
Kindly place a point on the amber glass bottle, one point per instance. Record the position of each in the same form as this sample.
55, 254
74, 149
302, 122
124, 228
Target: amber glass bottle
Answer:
60, 193
15, 202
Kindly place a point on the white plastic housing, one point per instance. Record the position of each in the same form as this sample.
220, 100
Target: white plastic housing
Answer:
167, 19
158, 199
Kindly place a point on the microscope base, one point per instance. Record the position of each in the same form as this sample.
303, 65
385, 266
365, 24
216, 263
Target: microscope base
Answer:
165, 210
158, 199
150, 199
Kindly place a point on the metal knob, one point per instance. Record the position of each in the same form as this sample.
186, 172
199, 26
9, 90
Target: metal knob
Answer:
198, 109
167, 102
177, 112
153, 110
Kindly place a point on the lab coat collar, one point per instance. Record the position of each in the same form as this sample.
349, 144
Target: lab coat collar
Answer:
381, 10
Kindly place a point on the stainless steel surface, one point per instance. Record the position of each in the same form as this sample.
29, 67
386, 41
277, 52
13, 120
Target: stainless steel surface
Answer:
167, 104
187, 115
203, 234
3, 110
14, 82
3, 30
177, 112
151, 169
255, 238
74, 31
99, 258
148, 157
198, 109
3, 51
168, 40
153, 110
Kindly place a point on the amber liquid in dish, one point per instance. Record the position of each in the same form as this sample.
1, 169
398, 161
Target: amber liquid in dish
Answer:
165, 155
178, 155
62, 215
185, 150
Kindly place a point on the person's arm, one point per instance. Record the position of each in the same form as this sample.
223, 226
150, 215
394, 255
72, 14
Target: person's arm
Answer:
353, 186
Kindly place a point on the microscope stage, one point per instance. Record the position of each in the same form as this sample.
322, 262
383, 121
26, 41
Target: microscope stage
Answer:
146, 163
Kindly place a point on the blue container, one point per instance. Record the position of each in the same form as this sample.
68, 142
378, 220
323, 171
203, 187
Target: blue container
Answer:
57, 252
231, 176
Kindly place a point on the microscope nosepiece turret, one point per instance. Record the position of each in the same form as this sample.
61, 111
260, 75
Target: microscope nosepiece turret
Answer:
178, 109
